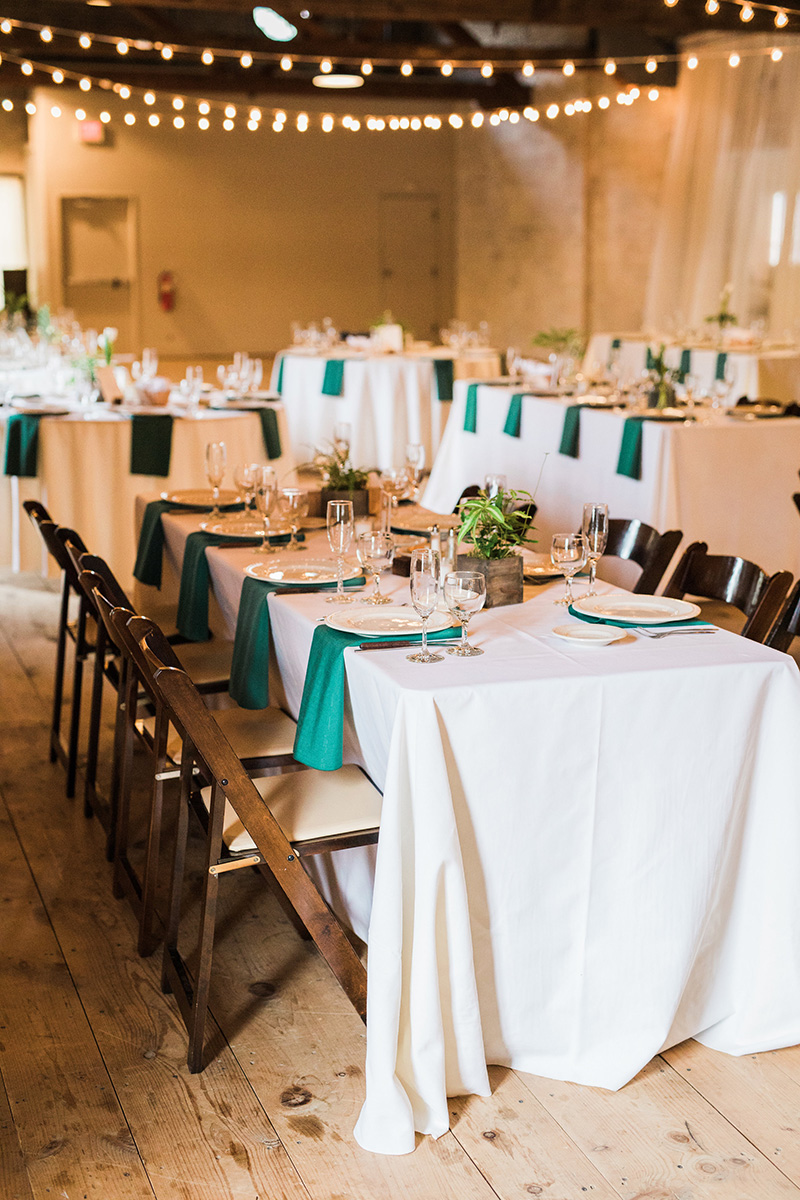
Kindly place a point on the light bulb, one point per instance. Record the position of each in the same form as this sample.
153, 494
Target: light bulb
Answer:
8, 105
166, 53
552, 111
326, 66
503, 114
394, 123
634, 93
84, 41
204, 107
670, 3
746, 12
406, 69
327, 123
129, 119
55, 111
494, 119
487, 70
734, 60
603, 102
5, 27
207, 58
781, 19
85, 85
776, 55
416, 123
286, 63
455, 120
530, 114
27, 69
124, 92
105, 117
528, 69
652, 94
255, 114
80, 114
651, 66
122, 47
446, 68
611, 67
149, 97
355, 125
691, 62
246, 60
230, 111
178, 122
252, 126
477, 120
227, 124
58, 76
712, 7
177, 103
154, 119
404, 122
381, 124
568, 67
366, 67
569, 109
203, 123
30, 109
46, 34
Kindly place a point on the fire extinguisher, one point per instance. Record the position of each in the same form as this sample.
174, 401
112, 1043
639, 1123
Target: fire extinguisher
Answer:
166, 291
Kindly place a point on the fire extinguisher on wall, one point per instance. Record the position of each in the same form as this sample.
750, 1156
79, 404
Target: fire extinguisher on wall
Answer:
166, 291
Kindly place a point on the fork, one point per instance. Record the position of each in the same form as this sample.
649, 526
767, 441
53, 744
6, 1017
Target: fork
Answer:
662, 633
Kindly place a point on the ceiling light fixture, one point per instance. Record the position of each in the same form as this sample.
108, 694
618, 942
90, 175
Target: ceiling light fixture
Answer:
273, 25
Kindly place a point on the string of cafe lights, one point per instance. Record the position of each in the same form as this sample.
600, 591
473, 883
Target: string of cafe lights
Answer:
747, 10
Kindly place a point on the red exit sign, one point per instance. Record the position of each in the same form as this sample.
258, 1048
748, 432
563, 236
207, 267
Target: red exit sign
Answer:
92, 133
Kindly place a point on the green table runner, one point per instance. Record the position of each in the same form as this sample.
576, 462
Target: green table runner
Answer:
630, 452
249, 684
22, 444
571, 433
333, 379
635, 624
150, 551
513, 425
320, 722
471, 410
151, 443
443, 370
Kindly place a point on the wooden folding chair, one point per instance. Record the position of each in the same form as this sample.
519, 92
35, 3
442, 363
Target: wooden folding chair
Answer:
279, 820
787, 625
734, 581
642, 544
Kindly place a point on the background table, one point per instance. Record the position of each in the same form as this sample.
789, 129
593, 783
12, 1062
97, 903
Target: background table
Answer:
84, 477
581, 850
729, 483
388, 399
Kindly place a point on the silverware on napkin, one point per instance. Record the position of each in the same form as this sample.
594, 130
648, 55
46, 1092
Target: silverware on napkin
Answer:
397, 645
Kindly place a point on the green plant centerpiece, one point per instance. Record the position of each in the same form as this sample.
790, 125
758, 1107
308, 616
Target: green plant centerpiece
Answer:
495, 527
662, 392
341, 480
564, 343
724, 317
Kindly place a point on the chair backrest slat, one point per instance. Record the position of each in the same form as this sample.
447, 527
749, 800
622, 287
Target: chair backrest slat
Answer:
731, 580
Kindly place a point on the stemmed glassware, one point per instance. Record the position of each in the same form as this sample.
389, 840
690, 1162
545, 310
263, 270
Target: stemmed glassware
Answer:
342, 438
340, 535
294, 503
415, 461
266, 493
216, 461
595, 537
492, 484
568, 553
465, 594
375, 553
393, 483
244, 476
426, 567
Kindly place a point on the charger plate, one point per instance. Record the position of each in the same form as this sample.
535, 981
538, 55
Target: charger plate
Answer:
389, 622
638, 610
290, 570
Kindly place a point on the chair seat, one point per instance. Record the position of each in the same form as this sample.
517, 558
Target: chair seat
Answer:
206, 662
252, 732
309, 805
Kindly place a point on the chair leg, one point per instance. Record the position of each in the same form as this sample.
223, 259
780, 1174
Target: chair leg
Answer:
170, 956
208, 917
116, 762
90, 774
75, 715
147, 941
58, 686
123, 872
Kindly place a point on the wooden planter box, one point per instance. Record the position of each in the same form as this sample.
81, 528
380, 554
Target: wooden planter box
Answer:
503, 577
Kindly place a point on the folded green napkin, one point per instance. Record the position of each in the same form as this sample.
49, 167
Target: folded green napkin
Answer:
686, 365
333, 379
22, 444
279, 382
634, 624
630, 452
471, 410
150, 551
513, 425
249, 683
269, 428
443, 370
320, 722
571, 433
721, 361
151, 443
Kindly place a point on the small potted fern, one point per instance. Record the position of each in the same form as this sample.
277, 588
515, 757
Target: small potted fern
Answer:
495, 527
341, 481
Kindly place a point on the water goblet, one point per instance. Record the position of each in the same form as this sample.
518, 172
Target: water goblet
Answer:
492, 484
568, 553
339, 519
256, 374
294, 503
595, 537
244, 476
375, 553
266, 492
216, 461
426, 568
465, 594
415, 461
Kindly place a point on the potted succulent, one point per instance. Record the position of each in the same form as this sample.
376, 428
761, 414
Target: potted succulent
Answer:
341, 481
496, 526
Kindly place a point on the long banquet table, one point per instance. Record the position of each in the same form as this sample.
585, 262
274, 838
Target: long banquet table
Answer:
728, 483
84, 476
586, 855
388, 399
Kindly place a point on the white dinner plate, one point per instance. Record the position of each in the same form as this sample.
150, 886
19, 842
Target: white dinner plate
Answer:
199, 496
312, 522
248, 527
389, 622
639, 610
413, 518
41, 410
590, 635
294, 569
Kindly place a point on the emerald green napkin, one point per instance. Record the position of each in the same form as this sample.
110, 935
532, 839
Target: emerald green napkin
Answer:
333, 379
722, 359
279, 383
471, 410
249, 683
571, 433
633, 624
513, 425
22, 444
320, 722
192, 619
269, 428
443, 370
630, 452
150, 551
151, 443
686, 365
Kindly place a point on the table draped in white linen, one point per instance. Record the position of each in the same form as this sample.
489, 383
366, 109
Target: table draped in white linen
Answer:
586, 855
85, 481
729, 483
388, 399
764, 373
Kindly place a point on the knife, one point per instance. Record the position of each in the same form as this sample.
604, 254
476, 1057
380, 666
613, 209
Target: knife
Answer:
397, 645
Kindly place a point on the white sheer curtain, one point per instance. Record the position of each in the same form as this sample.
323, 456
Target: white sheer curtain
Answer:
731, 204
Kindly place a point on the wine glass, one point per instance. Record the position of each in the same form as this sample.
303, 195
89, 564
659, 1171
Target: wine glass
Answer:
375, 553
216, 461
256, 374
244, 476
492, 484
266, 492
340, 535
595, 537
426, 567
568, 553
294, 503
415, 461
342, 438
465, 594
394, 483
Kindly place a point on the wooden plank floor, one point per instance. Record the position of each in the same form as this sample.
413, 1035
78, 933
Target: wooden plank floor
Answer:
96, 1102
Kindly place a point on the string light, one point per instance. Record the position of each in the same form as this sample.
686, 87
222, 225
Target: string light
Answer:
569, 109
149, 97
404, 122
691, 62
528, 69
302, 122
734, 60
781, 19
355, 125
154, 119
125, 92
610, 67
255, 114
366, 67
46, 34
406, 68
477, 120
670, 3
203, 123
712, 7
652, 94
30, 109
227, 124
5, 27
650, 66
80, 114
327, 123
85, 84
494, 119
26, 68
55, 111
746, 12
446, 68
204, 107
84, 41
105, 117
246, 60
776, 55
551, 111
568, 67
230, 111
394, 123
326, 66
178, 122
207, 58
58, 76
129, 118
8, 105
416, 123
122, 47
252, 126
286, 63
530, 114
603, 102
487, 70
455, 120
166, 52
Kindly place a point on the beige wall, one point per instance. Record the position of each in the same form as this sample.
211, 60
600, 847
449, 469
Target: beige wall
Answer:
13, 135
555, 220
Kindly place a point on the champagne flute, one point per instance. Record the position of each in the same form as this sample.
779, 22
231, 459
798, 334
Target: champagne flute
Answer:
465, 594
375, 553
294, 503
568, 553
426, 567
340, 535
266, 492
415, 461
216, 461
595, 537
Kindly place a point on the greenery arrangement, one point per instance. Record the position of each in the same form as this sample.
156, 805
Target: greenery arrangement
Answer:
570, 342
724, 316
663, 378
105, 343
14, 304
336, 472
496, 525
47, 330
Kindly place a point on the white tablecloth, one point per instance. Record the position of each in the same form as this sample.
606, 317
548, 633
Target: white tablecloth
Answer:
84, 478
729, 483
760, 374
388, 399
586, 855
